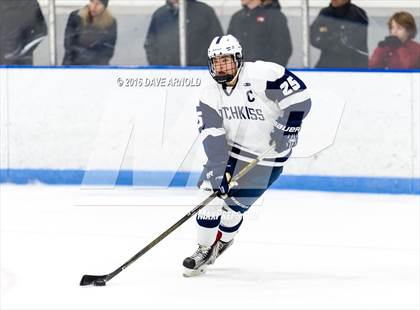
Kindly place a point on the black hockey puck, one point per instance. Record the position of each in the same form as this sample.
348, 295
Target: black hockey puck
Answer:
99, 282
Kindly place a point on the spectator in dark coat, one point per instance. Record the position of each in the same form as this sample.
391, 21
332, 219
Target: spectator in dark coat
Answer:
22, 28
340, 32
398, 50
271, 3
162, 40
262, 31
90, 36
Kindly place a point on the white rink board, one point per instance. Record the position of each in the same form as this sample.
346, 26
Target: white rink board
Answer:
81, 119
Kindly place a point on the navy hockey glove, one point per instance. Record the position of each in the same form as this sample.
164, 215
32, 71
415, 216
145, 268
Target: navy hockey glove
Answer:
285, 135
219, 178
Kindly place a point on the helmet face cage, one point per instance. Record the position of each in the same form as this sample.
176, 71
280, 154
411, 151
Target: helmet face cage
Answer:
226, 45
237, 61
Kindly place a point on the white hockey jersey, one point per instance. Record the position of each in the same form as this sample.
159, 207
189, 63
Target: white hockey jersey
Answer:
239, 120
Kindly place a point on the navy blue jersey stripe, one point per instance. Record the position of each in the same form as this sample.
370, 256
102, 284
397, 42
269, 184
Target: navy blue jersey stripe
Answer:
209, 117
283, 87
216, 149
252, 156
294, 114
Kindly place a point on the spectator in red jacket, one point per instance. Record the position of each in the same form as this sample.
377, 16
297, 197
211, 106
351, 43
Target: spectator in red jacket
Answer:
398, 50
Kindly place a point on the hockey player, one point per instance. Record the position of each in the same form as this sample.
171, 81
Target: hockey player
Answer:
248, 107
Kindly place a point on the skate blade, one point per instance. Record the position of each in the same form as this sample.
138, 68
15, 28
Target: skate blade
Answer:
188, 273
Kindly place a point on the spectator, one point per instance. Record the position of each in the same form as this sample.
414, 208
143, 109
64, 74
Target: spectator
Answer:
22, 28
262, 31
90, 36
162, 40
271, 3
340, 32
398, 50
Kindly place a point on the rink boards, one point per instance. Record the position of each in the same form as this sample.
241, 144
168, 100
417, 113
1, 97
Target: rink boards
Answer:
137, 126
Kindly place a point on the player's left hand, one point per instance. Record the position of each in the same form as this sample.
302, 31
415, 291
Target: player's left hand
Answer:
285, 137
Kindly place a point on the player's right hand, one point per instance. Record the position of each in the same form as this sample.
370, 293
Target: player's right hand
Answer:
219, 178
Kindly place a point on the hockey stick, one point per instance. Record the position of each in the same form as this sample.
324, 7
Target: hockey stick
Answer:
101, 280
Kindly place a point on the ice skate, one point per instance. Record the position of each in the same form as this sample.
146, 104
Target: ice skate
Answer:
220, 247
196, 264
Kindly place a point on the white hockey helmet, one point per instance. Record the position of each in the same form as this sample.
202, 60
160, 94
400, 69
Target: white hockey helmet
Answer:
221, 46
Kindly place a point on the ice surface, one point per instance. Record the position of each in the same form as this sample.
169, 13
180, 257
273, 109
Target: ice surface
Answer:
295, 250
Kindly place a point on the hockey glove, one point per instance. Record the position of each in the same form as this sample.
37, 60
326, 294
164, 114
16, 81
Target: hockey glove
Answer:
284, 135
219, 178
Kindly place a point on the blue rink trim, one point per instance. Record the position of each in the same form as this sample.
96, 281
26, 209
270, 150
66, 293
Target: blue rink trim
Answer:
356, 184
145, 67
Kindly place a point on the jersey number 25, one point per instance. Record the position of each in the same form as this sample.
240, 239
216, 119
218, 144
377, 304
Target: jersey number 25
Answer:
289, 86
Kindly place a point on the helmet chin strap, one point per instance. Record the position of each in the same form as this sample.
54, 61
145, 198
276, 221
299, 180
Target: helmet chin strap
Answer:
224, 79
237, 73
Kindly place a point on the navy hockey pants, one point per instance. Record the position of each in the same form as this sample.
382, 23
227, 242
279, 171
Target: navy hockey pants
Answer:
251, 186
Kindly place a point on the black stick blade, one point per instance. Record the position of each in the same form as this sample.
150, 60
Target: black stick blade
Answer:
93, 280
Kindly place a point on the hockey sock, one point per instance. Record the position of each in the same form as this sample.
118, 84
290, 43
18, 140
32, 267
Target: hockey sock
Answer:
208, 221
229, 224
